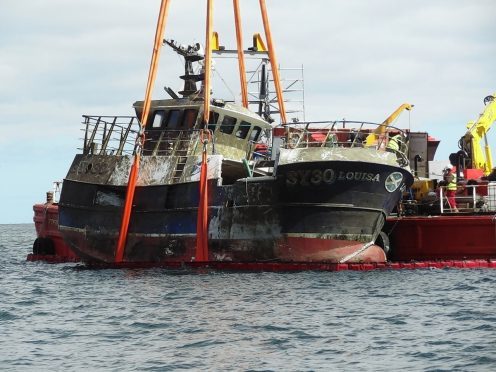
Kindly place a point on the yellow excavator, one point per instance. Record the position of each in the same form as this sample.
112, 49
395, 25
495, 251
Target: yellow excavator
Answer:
470, 143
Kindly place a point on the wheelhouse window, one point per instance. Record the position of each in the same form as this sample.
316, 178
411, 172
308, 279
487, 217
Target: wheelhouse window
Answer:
189, 118
158, 119
174, 119
212, 120
228, 124
243, 129
255, 134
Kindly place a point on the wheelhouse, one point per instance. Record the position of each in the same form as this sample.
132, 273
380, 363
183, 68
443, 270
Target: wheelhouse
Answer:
235, 130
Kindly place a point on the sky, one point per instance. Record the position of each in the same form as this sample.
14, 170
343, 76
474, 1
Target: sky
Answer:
63, 59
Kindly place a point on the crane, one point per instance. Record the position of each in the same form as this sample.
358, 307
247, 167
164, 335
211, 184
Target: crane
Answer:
376, 135
470, 143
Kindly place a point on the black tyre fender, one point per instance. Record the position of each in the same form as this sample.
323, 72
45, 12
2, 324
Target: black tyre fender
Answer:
49, 247
44, 246
383, 242
37, 246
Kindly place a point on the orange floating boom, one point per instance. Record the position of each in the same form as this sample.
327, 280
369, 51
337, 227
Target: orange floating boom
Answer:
133, 174
241, 56
273, 61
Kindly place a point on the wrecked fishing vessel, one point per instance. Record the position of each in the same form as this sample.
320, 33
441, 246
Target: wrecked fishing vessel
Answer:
185, 183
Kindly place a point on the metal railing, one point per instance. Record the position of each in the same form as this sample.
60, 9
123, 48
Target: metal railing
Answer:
472, 199
116, 135
345, 134
469, 199
109, 135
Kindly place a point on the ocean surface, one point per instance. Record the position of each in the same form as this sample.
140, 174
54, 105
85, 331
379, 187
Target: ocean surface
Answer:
63, 317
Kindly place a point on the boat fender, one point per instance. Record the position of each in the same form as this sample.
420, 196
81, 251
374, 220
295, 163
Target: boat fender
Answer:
383, 242
43, 247
37, 246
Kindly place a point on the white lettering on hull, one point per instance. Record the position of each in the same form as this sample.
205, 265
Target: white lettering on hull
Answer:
306, 177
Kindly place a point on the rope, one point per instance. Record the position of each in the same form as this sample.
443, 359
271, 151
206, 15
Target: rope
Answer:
225, 84
354, 254
394, 226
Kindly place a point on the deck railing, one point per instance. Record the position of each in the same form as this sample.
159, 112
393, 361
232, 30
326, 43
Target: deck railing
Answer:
472, 199
469, 199
345, 134
116, 135
109, 135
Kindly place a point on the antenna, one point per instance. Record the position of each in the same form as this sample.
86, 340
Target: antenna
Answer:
191, 54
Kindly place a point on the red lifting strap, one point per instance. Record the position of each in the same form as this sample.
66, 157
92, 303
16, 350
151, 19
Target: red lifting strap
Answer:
202, 218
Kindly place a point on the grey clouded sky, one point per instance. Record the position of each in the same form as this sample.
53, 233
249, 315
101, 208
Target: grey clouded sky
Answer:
61, 59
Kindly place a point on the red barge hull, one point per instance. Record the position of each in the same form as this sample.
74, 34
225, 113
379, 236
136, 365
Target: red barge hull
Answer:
445, 237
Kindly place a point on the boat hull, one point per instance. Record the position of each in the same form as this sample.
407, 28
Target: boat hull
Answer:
182, 249
283, 218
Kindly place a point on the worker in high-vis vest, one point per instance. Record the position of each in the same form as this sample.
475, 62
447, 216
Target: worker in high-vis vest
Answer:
394, 143
450, 178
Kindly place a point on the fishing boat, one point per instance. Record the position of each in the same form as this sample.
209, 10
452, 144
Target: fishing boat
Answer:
182, 181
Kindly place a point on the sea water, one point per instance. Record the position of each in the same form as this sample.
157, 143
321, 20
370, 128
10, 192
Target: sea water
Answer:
64, 317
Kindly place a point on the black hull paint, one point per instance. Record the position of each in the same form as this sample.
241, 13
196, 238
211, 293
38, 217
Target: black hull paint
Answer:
305, 214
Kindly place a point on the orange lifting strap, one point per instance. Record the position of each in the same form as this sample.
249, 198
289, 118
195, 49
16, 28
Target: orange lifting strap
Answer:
201, 254
241, 56
273, 61
202, 220
133, 175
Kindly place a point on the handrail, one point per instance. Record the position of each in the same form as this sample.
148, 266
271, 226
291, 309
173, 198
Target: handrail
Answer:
476, 199
97, 133
319, 134
120, 137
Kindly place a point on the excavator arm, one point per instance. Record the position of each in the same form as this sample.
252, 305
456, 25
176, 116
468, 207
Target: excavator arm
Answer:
481, 158
380, 131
